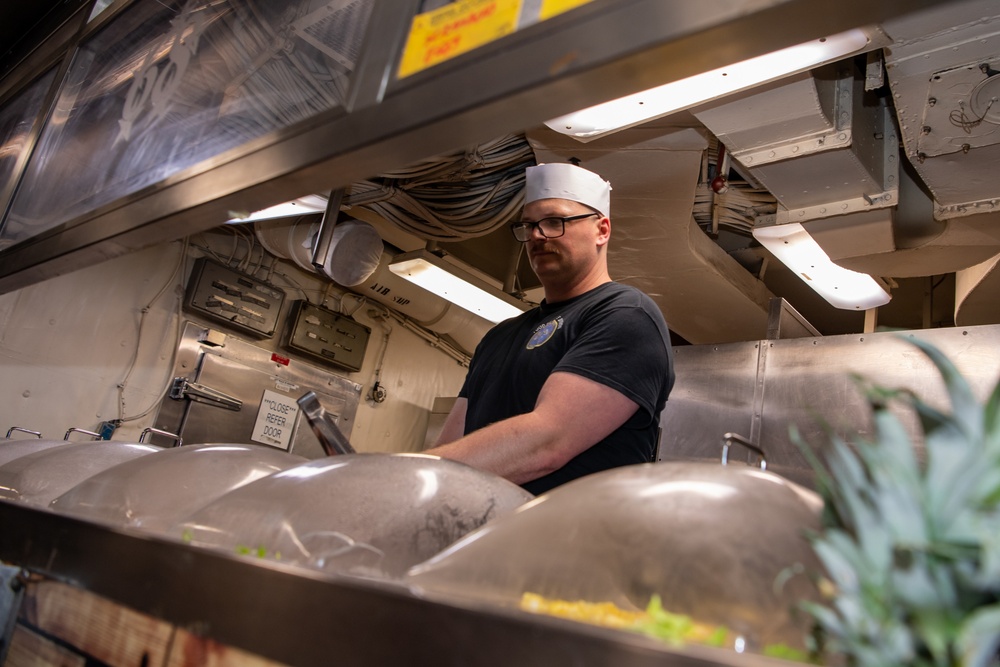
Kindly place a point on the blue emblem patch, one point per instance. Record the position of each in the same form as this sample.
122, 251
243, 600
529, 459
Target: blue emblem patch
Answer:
543, 333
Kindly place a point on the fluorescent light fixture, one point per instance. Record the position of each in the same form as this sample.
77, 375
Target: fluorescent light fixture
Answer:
631, 110
301, 206
843, 288
461, 288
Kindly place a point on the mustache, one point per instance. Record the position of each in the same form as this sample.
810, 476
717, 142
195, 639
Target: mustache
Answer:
540, 246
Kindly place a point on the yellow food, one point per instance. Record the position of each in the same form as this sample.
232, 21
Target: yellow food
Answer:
598, 613
654, 621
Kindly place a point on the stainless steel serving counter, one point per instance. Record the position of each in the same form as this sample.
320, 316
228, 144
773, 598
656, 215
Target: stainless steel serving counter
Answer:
301, 617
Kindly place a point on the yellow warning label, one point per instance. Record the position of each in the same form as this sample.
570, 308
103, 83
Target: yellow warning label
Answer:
552, 7
454, 29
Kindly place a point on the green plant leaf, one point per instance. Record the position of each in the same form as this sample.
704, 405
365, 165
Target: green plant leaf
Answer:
842, 560
922, 586
991, 421
979, 638
911, 545
965, 408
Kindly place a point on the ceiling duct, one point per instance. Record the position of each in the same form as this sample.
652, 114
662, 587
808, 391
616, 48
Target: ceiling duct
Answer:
943, 72
946, 92
906, 241
353, 254
292, 239
424, 308
816, 141
827, 149
976, 290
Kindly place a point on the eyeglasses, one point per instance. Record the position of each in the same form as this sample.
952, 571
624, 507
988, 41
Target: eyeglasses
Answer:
550, 228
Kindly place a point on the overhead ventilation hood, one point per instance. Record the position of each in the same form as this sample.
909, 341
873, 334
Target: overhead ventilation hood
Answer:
348, 114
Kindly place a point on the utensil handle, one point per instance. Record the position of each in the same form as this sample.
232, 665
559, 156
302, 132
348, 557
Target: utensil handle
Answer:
331, 438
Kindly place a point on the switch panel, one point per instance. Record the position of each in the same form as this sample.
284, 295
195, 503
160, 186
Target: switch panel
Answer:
241, 301
327, 336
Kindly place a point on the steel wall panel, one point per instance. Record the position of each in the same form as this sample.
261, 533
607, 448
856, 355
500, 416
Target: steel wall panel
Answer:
244, 371
713, 394
806, 383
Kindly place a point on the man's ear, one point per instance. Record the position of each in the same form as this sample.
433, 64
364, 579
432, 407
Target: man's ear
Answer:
603, 231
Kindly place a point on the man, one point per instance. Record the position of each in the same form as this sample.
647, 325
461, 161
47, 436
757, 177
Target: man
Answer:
577, 384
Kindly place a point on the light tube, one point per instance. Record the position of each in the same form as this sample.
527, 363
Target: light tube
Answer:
624, 112
301, 206
451, 283
842, 288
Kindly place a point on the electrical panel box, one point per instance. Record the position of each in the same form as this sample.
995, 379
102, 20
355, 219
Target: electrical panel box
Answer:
327, 336
237, 299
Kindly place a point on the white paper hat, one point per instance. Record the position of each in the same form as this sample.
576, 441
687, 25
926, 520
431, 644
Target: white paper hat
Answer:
559, 180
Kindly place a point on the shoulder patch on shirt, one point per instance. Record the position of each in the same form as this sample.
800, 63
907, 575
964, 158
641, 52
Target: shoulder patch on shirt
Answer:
543, 333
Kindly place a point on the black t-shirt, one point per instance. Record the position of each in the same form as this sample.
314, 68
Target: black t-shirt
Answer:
613, 334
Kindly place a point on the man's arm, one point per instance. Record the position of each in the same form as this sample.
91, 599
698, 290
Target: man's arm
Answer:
454, 424
572, 413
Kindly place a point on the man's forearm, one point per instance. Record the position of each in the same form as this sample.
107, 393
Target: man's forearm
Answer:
572, 413
454, 425
519, 448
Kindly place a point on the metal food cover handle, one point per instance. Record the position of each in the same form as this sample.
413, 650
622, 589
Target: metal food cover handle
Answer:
330, 437
96, 436
178, 439
37, 434
730, 438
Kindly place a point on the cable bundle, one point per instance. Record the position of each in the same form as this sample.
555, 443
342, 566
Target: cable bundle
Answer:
452, 197
736, 207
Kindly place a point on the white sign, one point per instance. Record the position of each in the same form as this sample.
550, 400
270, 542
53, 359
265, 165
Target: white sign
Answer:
275, 420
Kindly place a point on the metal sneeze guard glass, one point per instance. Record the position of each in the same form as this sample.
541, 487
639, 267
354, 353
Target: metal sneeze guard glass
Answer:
168, 84
16, 121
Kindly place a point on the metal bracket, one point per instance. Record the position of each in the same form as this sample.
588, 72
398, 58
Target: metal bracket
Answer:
324, 236
183, 388
783, 321
965, 209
